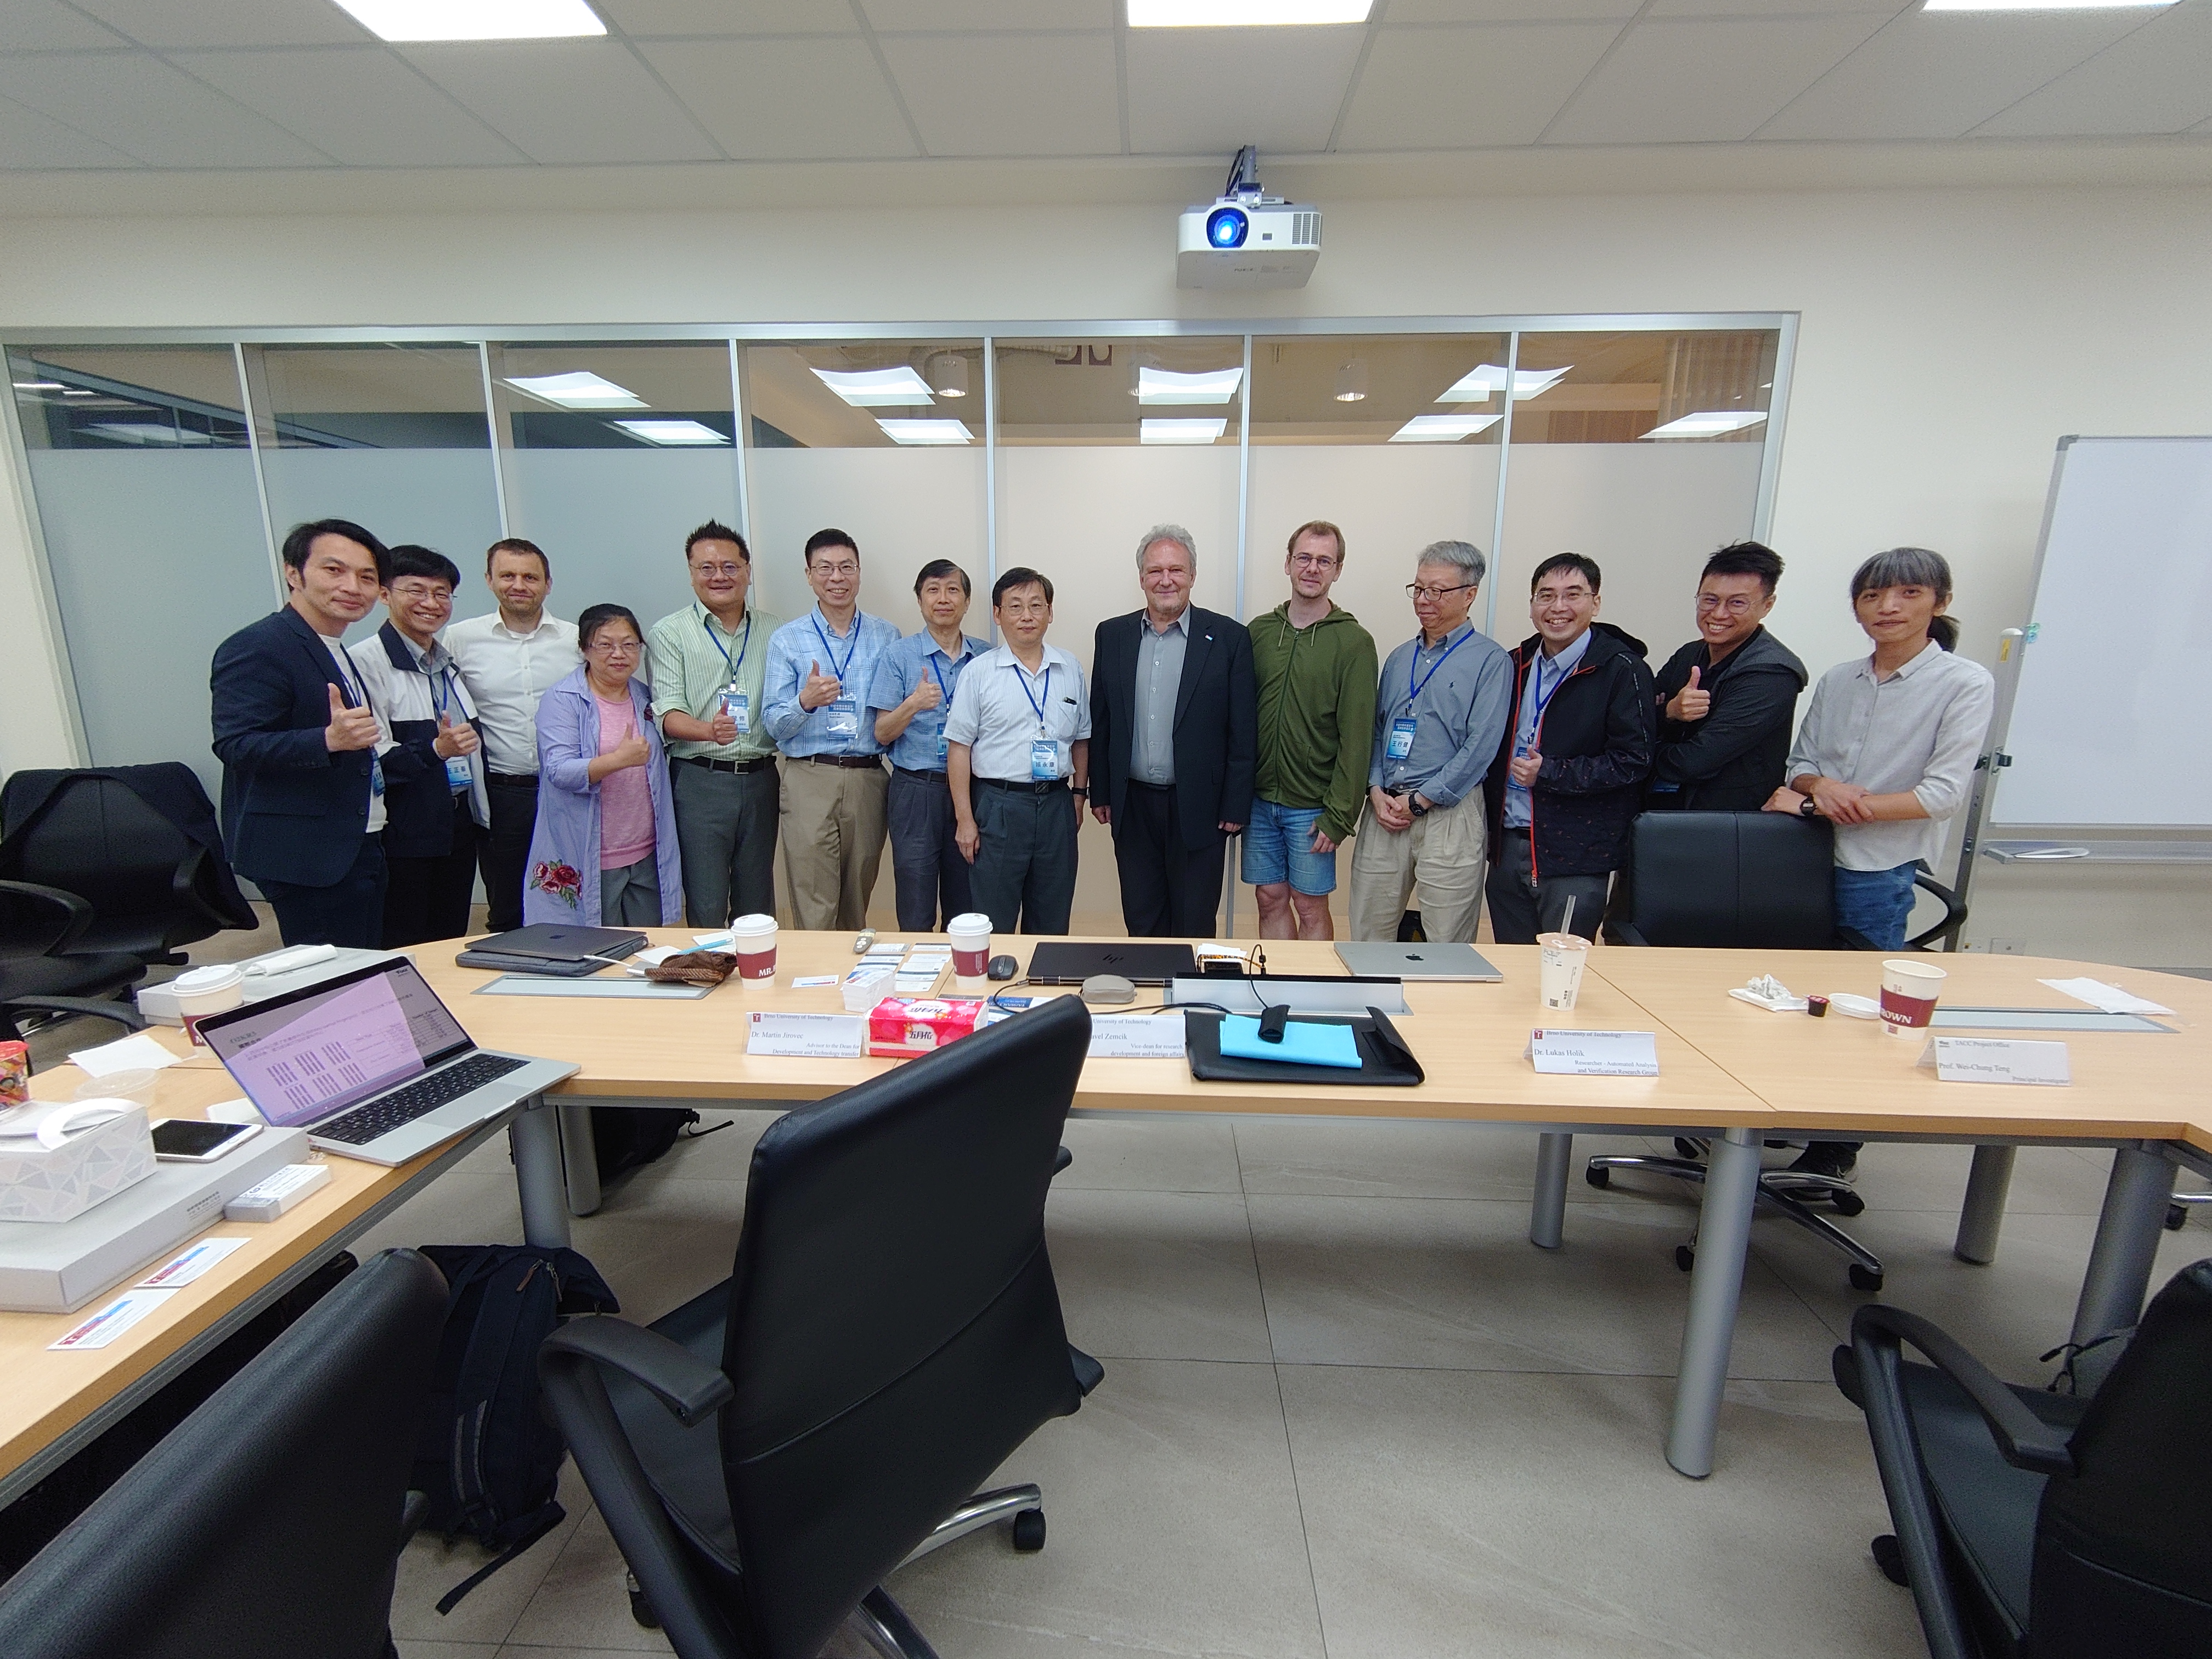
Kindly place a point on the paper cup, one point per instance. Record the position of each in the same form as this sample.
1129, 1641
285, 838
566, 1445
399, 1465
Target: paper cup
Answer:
203, 991
753, 938
971, 950
1559, 975
1909, 990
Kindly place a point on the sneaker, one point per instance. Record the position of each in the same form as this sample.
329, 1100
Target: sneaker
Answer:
1826, 1158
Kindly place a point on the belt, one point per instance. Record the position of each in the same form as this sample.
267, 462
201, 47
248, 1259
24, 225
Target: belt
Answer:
922, 777
1025, 786
511, 780
873, 762
1156, 788
755, 764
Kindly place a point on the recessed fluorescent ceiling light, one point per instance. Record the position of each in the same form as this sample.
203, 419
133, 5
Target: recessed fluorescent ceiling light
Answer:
877, 388
1708, 424
40, 386
1443, 428
925, 432
580, 389
1161, 386
147, 432
1242, 13
671, 432
1180, 432
2038, 5
1489, 380
474, 19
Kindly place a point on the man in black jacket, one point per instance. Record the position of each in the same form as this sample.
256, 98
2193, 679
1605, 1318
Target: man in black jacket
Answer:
1572, 763
1175, 737
1729, 698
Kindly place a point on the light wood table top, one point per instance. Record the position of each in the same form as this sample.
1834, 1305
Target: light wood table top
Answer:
1843, 1076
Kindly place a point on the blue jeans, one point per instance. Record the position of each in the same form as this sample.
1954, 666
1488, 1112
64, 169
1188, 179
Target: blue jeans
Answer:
1876, 904
1279, 847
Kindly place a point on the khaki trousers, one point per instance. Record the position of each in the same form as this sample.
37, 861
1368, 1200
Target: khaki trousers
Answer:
832, 840
1438, 863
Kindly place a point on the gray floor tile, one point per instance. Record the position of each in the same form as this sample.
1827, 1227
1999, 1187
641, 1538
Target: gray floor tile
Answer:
1407, 1160
1464, 1515
1190, 1155
1374, 1281
429, 1568
448, 1649
2045, 1180
464, 1206
583, 1603
1157, 1275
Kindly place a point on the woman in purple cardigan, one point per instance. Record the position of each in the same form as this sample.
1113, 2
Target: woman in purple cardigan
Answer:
603, 853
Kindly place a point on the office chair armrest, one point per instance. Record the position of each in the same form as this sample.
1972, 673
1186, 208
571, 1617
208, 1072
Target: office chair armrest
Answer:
94, 1008
1954, 912
2026, 1441
412, 1509
1622, 932
692, 1389
185, 888
65, 913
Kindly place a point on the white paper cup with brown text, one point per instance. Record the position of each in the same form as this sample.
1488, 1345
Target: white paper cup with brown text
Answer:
753, 940
970, 934
1908, 990
203, 991
1559, 969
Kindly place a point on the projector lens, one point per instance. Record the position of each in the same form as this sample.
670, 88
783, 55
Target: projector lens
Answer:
1227, 228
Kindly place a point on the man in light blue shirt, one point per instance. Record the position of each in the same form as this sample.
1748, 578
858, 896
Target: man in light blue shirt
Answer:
908, 701
819, 672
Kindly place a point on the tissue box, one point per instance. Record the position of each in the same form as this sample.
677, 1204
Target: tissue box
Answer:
41, 1183
14, 1074
902, 1027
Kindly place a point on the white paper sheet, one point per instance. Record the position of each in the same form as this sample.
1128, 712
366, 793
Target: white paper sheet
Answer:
112, 1320
135, 1053
2109, 998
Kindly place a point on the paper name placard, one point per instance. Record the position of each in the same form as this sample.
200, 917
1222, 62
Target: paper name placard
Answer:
1137, 1036
808, 1037
1595, 1054
1997, 1059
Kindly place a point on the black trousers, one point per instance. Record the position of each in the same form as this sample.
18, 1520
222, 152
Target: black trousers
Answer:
428, 898
929, 873
1168, 891
349, 911
506, 850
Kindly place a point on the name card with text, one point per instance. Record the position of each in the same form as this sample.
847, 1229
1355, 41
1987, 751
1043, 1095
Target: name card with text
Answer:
1595, 1054
1137, 1036
1997, 1060
808, 1037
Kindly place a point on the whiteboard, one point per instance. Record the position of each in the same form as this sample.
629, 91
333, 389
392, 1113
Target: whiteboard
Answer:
2112, 719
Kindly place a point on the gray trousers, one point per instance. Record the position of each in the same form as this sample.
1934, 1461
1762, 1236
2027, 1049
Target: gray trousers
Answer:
1025, 874
1522, 908
630, 897
725, 831
929, 873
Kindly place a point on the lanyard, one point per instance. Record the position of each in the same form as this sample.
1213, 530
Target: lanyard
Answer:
831, 651
938, 675
356, 688
442, 691
746, 643
1413, 690
1543, 697
1037, 703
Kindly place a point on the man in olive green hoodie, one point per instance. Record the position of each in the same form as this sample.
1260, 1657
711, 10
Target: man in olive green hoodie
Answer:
1315, 668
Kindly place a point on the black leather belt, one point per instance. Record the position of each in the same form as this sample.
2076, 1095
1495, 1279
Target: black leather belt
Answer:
511, 780
1025, 787
873, 762
757, 764
919, 776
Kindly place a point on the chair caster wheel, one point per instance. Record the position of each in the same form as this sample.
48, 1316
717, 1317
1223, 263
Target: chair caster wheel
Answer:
1684, 1257
640, 1608
2177, 1216
1029, 1531
1600, 1177
1865, 1280
1685, 1147
1843, 1203
1889, 1556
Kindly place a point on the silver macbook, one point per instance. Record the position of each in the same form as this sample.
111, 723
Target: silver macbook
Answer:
1386, 959
371, 1064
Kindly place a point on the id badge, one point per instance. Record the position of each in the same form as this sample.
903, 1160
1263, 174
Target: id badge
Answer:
940, 748
457, 777
1401, 743
844, 718
739, 708
375, 777
1044, 760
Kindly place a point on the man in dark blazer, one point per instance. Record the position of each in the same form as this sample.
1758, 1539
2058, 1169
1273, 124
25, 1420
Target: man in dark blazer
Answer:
1174, 740
302, 785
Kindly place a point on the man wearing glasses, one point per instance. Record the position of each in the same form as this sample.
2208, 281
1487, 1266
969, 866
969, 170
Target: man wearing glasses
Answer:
709, 668
1314, 665
1441, 708
1729, 698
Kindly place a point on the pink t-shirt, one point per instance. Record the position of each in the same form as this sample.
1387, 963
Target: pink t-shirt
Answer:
625, 797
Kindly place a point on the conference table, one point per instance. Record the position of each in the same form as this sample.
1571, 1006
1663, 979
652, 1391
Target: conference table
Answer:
1730, 1072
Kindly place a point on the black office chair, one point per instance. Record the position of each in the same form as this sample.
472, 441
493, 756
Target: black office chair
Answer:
268, 1525
39, 928
1753, 881
153, 888
767, 1455
2036, 1525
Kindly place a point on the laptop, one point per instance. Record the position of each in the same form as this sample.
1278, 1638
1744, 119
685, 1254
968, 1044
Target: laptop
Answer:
1385, 958
555, 948
371, 1064
1066, 961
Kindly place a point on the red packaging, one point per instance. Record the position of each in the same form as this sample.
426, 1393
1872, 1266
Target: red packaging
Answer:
902, 1027
14, 1074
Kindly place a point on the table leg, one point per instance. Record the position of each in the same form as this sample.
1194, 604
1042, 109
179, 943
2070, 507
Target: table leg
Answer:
580, 1157
1982, 1213
2120, 1261
535, 1136
1547, 1211
1715, 1287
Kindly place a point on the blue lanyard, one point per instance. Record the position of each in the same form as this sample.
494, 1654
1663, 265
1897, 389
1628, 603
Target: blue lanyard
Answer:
831, 651
746, 643
1036, 702
1413, 691
356, 688
442, 691
1543, 697
936, 674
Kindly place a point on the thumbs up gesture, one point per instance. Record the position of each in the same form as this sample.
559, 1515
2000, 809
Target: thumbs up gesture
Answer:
349, 728
631, 750
1690, 703
454, 740
820, 689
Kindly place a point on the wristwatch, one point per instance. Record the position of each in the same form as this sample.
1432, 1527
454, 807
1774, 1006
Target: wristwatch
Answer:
1416, 808
1807, 808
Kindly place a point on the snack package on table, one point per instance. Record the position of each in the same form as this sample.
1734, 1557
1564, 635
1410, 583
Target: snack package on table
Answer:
15, 1075
902, 1027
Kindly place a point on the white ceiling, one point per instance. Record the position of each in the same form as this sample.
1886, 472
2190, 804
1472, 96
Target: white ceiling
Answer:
291, 84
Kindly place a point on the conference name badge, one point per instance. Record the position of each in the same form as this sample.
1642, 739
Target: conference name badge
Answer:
1401, 743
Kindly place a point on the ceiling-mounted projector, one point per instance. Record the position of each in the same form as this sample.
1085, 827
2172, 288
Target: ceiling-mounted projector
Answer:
1247, 238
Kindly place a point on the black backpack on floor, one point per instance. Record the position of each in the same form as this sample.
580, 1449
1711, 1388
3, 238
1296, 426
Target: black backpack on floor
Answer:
629, 1137
489, 1460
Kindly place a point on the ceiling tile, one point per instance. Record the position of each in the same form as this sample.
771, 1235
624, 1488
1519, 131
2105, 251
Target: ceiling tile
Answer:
229, 23
1201, 91
925, 16
360, 104
1509, 11
580, 101
1687, 82
160, 115
49, 26
28, 139
1466, 88
1935, 75
2157, 80
1773, 7
1035, 95
787, 100
649, 17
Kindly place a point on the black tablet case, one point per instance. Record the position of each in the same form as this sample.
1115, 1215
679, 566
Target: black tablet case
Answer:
1385, 1062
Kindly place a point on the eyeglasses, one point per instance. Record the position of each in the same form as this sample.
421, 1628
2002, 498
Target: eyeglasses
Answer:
729, 571
1736, 604
834, 571
615, 648
417, 593
1313, 561
1419, 592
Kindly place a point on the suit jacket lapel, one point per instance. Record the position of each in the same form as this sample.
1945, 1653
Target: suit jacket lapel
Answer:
1197, 642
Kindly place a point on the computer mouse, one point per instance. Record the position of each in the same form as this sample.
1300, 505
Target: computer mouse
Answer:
1001, 967
1105, 990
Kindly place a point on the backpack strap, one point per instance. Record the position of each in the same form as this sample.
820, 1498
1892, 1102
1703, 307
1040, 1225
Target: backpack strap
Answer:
540, 1522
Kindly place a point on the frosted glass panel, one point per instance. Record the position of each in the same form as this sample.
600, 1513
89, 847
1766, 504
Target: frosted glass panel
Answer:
905, 507
612, 523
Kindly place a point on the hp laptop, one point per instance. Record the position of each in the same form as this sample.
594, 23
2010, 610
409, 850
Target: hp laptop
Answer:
1381, 959
1058, 962
553, 948
371, 1064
